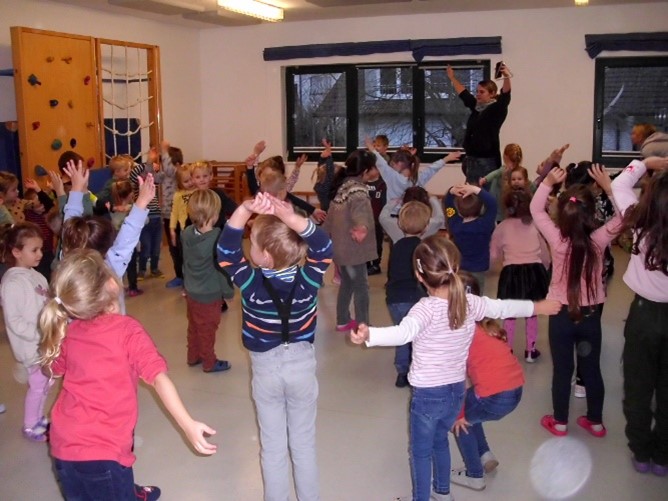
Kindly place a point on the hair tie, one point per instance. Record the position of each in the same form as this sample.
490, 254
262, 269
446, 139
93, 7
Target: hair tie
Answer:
573, 199
58, 300
418, 264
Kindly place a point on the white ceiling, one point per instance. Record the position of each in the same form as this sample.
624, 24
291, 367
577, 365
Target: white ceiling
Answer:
205, 13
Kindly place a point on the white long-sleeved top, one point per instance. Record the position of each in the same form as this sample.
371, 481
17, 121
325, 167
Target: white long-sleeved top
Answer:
397, 182
390, 222
440, 352
652, 285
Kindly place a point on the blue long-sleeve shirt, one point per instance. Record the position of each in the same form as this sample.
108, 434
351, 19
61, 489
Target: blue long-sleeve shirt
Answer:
261, 324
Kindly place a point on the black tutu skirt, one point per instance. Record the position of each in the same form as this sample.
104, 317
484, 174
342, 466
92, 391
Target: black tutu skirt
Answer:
523, 281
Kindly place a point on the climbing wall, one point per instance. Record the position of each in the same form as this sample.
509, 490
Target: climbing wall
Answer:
56, 98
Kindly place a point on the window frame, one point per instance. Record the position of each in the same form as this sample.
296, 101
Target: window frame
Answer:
621, 158
352, 106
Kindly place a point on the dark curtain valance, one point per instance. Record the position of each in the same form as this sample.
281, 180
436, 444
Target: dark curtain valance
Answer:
644, 42
419, 48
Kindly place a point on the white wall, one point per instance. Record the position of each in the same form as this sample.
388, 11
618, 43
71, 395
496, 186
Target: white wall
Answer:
553, 88
179, 55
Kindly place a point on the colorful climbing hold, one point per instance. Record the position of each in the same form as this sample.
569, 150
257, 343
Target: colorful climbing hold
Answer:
90, 124
70, 104
35, 125
40, 171
53, 103
33, 80
90, 162
67, 59
73, 143
86, 79
56, 144
49, 59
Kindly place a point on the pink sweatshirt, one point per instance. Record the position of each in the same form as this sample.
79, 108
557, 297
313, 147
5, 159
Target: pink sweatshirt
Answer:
560, 248
652, 285
518, 243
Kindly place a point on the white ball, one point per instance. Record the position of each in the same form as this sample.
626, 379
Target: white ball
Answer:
560, 467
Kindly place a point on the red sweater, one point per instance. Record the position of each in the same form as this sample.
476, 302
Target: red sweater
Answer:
491, 366
101, 361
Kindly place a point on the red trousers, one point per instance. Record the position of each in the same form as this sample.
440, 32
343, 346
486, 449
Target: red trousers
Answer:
203, 322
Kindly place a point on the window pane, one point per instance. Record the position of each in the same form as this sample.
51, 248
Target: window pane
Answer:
631, 95
319, 110
385, 104
445, 114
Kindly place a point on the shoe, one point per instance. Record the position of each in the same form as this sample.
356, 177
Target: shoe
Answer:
579, 391
402, 380
141, 276
352, 324
2, 408
489, 462
640, 466
224, 307
147, 492
435, 496
220, 366
42, 426
373, 270
550, 424
157, 274
459, 477
589, 426
659, 470
531, 356
135, 292
34, 435
196, 362
174, 283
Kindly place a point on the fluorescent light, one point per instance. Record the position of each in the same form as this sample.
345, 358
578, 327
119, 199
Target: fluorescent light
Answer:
581, 2
253, 8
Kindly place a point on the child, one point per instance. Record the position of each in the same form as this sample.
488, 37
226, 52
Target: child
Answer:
205, 285
171, 158
440, 327
470, 228
9, 193
349, 221
100, 355
495, 391
403, 290
89, 200
525, 257
645, 347
24, 292
39, 205
122, 197
577, 257
378, 195
120, 167
178, 219
278, 328
381, 143
390, 221
498, 181
324, 174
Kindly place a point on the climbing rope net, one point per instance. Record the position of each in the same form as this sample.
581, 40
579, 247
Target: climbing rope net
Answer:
126, 97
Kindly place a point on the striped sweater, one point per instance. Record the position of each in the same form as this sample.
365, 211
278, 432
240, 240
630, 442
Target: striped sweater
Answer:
260, 324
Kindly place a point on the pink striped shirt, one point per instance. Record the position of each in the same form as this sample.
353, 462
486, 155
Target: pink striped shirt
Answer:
439, 352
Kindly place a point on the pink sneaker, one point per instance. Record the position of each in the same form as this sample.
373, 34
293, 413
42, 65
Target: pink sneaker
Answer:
589, 426
550, 424
347, 327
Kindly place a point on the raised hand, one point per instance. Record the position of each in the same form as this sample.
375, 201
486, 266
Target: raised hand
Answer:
78, 175
556, 176
146, 191
56, 182
31, 184
368, 142
300, 161
599, 173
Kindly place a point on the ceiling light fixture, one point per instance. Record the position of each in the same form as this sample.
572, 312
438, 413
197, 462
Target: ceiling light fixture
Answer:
253, 8
580, 3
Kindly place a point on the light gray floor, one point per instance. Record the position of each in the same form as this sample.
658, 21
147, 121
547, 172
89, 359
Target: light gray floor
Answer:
362, 420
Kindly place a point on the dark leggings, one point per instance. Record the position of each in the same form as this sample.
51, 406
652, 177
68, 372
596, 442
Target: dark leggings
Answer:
585, 337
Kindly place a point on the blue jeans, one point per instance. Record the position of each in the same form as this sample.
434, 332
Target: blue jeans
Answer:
355, 286
95, 480
433, 412
402, 354
285, 392
473, 444
150, 240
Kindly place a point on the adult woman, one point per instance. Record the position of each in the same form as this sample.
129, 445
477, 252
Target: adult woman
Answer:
488, 112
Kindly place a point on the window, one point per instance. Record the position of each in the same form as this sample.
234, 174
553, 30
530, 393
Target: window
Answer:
628, 91
410, 103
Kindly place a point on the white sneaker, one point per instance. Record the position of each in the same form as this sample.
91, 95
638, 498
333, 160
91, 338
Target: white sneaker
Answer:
2, 408
459, 477
435, 496
579, 391
489, 462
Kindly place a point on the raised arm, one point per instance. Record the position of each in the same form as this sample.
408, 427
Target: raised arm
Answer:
459, 88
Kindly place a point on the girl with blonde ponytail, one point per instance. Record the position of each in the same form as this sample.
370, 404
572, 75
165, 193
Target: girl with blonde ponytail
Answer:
100, 354
441, 328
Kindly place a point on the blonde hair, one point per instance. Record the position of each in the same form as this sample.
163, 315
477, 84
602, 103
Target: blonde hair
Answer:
80, 289
119, 162
273, 182
201, 165
183, 171
436, 260
414, 217
7, 180
203, 206
283, 244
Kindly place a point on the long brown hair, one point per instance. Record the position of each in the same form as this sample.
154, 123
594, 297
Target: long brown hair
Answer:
576, 219
436, 260
649, 219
